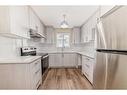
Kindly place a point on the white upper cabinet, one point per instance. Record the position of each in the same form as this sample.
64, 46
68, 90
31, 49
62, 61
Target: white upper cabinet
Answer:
14, 21
50, 35
105, 9
33, 20
75, 38
35, 23
89, 28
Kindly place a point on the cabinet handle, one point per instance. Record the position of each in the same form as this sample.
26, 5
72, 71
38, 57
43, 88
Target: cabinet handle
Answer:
87, 66
87, 59
36, 63
37, 71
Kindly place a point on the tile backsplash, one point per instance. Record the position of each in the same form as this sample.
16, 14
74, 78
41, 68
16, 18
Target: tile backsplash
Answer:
9, 47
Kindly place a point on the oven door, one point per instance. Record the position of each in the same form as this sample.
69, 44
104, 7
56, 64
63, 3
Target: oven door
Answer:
45, 63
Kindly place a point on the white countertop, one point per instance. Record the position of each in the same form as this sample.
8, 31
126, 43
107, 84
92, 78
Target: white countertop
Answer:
29, 59
22, 59
87, 54
91, 55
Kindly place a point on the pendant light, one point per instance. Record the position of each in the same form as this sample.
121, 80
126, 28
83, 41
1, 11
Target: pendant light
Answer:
64, 23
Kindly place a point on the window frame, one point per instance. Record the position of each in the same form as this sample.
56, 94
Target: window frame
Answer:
63, 45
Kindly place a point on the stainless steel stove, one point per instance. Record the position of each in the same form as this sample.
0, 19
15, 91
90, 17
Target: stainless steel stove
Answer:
28, 51
31, 51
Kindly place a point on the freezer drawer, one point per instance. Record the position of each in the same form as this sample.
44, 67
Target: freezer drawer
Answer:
99, 72
117, 72
110, 71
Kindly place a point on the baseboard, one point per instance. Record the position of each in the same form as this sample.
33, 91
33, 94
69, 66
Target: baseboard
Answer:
62, 67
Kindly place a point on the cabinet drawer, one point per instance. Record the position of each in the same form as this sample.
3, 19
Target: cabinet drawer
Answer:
35, 63
87, 65
88, 74
37, 78
85, 72
91, 77
35, 66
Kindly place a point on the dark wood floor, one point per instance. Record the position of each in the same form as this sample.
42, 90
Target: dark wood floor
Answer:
65, 79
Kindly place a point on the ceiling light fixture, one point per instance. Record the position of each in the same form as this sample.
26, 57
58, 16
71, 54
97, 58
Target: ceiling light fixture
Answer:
64, 23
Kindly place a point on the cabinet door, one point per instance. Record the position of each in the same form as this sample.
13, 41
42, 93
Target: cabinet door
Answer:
82, 33
87, 67
39, 26
58, 60
41, 29
55, 60
15, 76
50, 35
91, 62
70, 60
51, 60
19, 22
79, 59
76, 35
4, 19
33, 20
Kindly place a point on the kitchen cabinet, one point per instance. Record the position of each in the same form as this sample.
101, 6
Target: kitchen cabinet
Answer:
50, 35
20, 75
35, 23
87, 67
70, 60
88, 30
105, 9
75, 35
79, 57
55, 60
14, 21
62, 60
33, 20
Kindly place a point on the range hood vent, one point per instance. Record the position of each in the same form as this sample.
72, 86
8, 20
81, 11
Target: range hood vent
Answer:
34, 34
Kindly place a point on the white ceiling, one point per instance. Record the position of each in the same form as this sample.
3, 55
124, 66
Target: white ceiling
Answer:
53, 15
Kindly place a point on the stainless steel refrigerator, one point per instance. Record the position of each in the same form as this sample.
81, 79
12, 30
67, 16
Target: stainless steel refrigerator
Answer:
110, 70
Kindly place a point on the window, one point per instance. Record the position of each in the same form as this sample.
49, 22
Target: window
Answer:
63, 40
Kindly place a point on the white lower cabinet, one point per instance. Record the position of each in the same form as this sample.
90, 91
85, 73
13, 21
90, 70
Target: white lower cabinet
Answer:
87, 67
20, 75
55, 60
62, 60
79, 57
70, 60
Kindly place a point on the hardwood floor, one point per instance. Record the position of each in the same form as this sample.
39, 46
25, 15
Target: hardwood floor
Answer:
61, 78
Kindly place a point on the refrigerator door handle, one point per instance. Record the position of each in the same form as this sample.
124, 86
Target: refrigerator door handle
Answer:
101, 33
